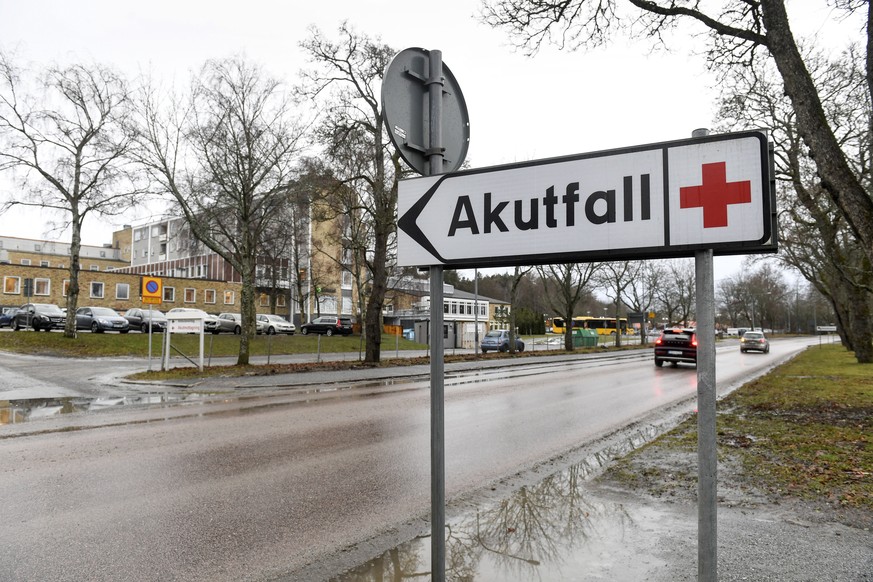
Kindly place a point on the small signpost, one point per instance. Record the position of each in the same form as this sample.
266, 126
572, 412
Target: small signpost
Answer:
182, 323
152, 291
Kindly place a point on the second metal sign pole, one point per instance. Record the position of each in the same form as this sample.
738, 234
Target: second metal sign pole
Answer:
707, 469
437, 365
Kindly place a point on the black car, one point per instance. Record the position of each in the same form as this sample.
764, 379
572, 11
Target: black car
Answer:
328, 325
7, 315
100, 319
676, 345
47, 316
138, 318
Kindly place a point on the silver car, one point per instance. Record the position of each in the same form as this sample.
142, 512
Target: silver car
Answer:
232, 323
274, 324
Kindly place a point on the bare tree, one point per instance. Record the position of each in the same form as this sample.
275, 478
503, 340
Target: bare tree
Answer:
65, 135
226, 155
566, 286
346, 82
639, 293
675, 291
518, 274
816, 239
615, 279
739, 30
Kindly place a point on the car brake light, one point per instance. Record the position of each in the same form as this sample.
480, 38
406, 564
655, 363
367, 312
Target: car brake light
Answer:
694, 341
659, 341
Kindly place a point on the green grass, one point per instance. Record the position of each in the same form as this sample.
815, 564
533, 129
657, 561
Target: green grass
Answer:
136, 344
811, 423
804, 430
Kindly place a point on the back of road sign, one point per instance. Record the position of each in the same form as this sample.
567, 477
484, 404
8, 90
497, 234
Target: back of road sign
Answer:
405, 108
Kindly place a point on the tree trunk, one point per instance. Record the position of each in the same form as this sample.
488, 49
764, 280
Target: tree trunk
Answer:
836, 176
73, 287
373, 327
247, 311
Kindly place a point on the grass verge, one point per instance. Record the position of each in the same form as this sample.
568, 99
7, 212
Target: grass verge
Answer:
802, 431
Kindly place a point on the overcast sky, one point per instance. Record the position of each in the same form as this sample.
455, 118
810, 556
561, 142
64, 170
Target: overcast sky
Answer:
521, 108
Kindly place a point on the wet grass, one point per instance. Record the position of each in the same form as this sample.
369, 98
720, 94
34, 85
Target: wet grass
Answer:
804, 431
182, 373
136, 344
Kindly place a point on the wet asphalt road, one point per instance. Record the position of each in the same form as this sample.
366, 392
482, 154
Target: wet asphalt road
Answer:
267, 484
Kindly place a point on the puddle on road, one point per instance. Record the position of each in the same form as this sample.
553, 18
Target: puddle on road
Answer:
24, 410
552, 530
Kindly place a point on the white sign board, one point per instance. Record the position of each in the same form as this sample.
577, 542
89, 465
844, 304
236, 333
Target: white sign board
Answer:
185, 325
652, 201
182, 323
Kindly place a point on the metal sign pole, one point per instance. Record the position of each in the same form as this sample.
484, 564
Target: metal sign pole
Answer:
437, 365
150, 337
707, 463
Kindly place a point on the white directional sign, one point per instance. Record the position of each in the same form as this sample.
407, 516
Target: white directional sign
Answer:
653, 201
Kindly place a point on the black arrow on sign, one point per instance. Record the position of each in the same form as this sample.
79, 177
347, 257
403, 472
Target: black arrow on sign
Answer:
408, 222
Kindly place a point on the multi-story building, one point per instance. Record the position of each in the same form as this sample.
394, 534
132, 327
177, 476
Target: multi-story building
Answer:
44, 253
312, 276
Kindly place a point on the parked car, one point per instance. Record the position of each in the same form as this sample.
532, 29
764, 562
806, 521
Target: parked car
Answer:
498, 339
47, 316
138, 318
100, 319
232, 323
210, 322
754, 341
274, 324
328, 325
676, 345
6, 316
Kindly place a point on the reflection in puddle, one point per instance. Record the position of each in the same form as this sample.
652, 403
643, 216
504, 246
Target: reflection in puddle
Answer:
18, 411
552, 530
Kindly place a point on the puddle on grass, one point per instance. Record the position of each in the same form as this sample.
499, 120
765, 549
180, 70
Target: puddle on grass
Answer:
551, 530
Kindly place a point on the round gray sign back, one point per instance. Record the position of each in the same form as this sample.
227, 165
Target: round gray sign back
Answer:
406, 111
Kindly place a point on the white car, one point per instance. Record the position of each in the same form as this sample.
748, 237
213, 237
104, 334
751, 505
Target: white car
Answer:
274, 324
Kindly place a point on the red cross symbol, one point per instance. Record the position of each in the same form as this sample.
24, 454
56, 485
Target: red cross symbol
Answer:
714, 195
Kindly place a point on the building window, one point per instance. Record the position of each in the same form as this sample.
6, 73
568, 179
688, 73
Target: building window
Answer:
42, 287
61, 266
139, 234
66, 287
347, 280
170, 294
445, 307
209, 296
190, 295
122, 291
25, 261
102, 254
37, 248
96, 290
280, 301
12, 285
229, 297
265, 300
454, 308
44, 264
95, 267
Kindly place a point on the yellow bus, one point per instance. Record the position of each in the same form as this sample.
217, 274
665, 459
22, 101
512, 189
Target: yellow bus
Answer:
603, 325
